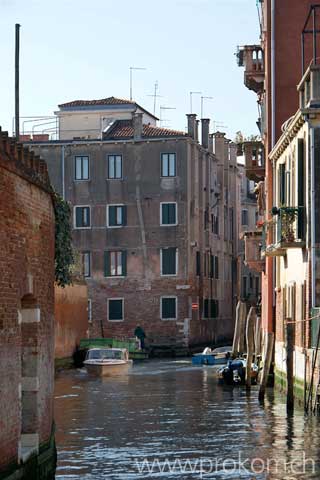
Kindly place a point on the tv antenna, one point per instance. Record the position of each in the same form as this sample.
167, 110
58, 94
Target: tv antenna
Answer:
193, 93
218, 124
162, 108
131, 70
155, 96
204, 98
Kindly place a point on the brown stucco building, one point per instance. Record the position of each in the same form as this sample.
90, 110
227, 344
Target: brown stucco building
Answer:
26, 314
155, 219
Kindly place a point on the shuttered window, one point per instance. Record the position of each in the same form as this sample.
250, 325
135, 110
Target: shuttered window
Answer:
168, 213
86, 264
198, 264
216, 267
81, 165
115, 263
168, 308
206, 308
115, 309
244, 217
82, 217
114, 166
169, 257
117, 215
168, 164
214, 308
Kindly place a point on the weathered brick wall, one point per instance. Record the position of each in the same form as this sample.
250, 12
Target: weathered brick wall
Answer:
27, 270
71, 318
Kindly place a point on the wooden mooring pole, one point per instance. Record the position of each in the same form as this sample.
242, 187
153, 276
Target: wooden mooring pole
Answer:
290, 348
251, 321
238, 336
266, 365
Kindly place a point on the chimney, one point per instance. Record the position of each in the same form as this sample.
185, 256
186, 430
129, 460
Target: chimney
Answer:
205, 132
197, 131
210, 148
137, 125
218, 145
192, 125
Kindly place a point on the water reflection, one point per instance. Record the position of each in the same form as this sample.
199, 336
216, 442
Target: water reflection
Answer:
172, 412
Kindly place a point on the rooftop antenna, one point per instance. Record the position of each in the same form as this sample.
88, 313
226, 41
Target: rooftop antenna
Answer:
204, 98
131, 69
162, 107
218, 124
155, 96
193, 93
16, 81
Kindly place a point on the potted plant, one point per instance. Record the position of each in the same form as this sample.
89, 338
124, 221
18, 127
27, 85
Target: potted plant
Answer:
288, 217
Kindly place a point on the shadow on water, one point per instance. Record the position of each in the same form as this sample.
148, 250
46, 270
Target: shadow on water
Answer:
168, 419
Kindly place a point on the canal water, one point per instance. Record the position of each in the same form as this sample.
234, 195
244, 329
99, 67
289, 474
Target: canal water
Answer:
170, 420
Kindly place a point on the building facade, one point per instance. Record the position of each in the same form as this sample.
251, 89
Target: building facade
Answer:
155, 219
26, 314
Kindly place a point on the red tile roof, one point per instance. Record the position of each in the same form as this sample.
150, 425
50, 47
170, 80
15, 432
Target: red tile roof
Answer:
103, 101
123, 129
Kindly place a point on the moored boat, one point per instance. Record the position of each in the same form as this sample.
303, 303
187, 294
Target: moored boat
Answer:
234, 373
107, 361
218, 356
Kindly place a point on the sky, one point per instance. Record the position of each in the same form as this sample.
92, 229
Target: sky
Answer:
80, 49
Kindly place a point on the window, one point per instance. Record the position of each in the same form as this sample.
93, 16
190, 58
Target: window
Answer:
169, 261
116, 215
115, 309
244, 217
198, 264
214, 308
206, 308
115, 264
216, 267
89, 310
168, 308
81, 171
206, 219
215, 223
168, 213
168, 165
86, 264
244, 287
115, 166
82, 217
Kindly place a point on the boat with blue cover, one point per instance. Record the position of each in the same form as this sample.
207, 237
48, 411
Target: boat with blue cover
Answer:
218, 356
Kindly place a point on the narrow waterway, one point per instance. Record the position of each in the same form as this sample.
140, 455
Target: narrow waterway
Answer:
168, 419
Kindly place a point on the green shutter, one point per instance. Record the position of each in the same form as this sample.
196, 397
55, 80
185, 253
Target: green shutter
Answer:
112, 216
165, 214
124, 215
115, 310
169, 261
168, 308
124, 262
107, 267
216, 267
171, 213
78, 217
211, 266
206, 308
198, 264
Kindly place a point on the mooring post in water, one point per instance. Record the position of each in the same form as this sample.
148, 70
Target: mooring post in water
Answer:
289, 347
242, 326
266, 365
235, 344
251, 320
257, 337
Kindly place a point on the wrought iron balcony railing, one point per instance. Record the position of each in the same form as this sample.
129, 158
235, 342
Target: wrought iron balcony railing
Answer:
287, 230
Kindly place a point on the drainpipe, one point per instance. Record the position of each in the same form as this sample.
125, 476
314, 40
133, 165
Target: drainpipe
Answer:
312, 221
273, 99
62, 172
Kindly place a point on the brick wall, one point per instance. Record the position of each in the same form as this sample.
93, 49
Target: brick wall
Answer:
26, 286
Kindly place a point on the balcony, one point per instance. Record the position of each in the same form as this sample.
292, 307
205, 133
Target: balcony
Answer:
253, 244
254, 160
287, 228
251, 58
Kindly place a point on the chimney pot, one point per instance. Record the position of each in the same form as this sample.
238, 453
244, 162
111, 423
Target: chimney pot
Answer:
137, 125
192, 125
205, 122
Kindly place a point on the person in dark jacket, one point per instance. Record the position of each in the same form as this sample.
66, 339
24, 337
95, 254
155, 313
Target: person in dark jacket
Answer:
139, 333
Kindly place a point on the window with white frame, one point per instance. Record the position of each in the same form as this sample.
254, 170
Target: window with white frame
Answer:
115, 166
115, 263
169, 261
168, 165
168, 308
116, 215
115, 309
86, 264
82, 217
168, 213
81, 170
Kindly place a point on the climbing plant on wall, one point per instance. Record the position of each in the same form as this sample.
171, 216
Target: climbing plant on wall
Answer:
64, 256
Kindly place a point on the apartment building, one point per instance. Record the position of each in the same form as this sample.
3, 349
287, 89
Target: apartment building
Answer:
272, 69
249, 272
154, 218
